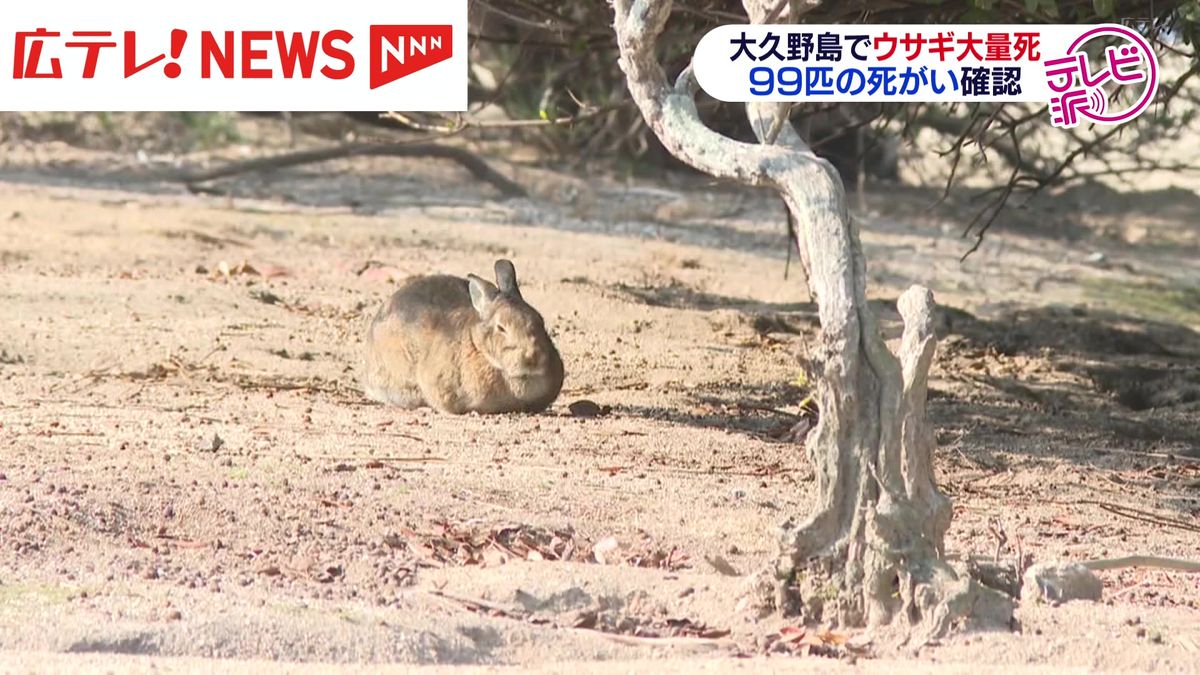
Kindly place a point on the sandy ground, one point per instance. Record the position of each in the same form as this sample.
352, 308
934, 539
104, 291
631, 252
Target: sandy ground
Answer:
188, 471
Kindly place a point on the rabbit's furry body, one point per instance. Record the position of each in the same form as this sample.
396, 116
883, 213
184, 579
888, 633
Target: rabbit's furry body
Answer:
461, 345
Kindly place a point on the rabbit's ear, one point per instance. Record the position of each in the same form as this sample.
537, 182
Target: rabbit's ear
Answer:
506, 278
482, 293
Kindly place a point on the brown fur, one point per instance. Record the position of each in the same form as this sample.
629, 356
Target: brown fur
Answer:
461, 345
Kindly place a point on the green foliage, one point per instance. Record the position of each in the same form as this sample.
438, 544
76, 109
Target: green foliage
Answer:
209, 129
1189, 14
555, 59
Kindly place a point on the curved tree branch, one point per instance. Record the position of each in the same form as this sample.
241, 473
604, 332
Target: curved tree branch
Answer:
877, 528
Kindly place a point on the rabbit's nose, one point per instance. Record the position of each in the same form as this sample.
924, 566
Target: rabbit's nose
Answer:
530, 357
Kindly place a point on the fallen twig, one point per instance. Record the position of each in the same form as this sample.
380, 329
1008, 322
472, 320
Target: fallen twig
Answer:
270, 383
384, 458
757, 472
750, 405
468, 160
461, 123
389, 434
475, 605
1135, 514
1156, 455
668, 641
515, 614
1144, 561
1138, 514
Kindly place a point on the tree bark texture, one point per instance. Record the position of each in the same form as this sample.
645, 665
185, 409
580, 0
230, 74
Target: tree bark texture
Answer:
871, 553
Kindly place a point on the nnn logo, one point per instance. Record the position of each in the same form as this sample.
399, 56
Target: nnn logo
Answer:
397, 51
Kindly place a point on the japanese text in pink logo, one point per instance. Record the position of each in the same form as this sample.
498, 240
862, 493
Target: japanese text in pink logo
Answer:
1094, 74
1087, 91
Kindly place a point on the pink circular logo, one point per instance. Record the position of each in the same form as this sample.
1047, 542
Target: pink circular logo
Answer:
1079, 86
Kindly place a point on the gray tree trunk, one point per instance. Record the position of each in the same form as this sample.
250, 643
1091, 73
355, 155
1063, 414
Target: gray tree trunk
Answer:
871, 553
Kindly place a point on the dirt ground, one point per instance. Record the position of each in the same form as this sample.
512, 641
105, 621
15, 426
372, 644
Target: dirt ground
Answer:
188, 471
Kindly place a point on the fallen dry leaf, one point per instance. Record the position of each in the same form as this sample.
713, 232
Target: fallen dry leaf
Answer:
585, 408
792, 632
264, 270
603, 548
376, 271
269, 271
722, 565
822, 638
493, 557
330, 574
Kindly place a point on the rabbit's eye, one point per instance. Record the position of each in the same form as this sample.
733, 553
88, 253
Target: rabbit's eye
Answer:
501, 329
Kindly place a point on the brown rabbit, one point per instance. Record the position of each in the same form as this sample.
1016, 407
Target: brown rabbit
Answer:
462, 345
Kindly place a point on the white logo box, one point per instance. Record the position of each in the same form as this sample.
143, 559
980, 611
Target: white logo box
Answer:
730, 81
441, 86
